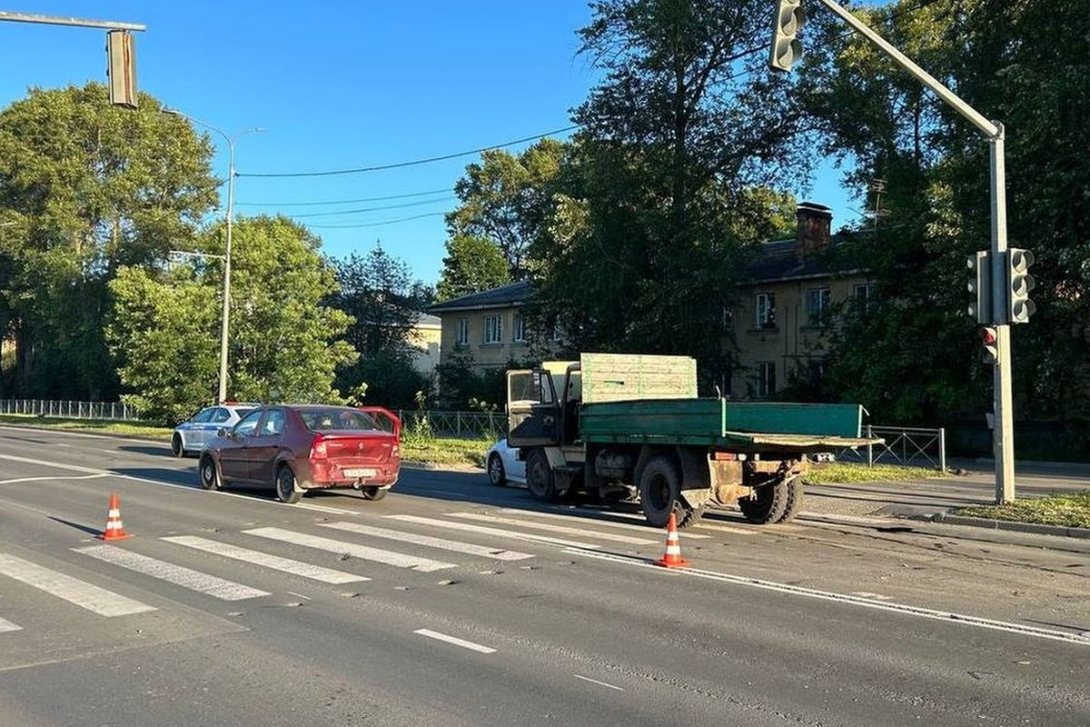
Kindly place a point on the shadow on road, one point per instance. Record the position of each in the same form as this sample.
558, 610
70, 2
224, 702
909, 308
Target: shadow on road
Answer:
77, 526
161, 450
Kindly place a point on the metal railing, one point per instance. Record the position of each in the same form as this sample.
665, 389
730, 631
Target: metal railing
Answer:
462, 424
116, 411
909, 446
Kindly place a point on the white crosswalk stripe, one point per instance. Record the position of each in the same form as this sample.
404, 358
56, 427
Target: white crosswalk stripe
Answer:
496, 532
364, 552
428, 541
178, 575
6, 626
287, 565
82, 594
562, 529
596, 519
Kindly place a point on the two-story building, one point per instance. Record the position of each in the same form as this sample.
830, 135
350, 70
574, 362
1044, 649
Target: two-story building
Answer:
784, 302
777, 324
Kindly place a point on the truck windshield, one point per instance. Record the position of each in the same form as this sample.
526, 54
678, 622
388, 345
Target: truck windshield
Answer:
528, 387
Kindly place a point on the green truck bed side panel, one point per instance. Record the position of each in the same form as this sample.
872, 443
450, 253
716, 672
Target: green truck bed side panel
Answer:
618, 377
837, 420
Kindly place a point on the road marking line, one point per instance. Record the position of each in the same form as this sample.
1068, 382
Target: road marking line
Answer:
6, 626
902, 608
454, 640
48, 479
593, 516
595, 681
305, 598
178, 575
562, 529
58, 465
868, 594
287, 565
497, 532
389, 557
427, 540
91, 597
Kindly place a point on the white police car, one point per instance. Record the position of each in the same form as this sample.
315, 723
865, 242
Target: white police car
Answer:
190, 436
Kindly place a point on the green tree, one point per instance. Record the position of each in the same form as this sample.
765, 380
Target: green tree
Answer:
285, 343
161, 334
377, 291
503, 199
472, 264
657, 203
86, 188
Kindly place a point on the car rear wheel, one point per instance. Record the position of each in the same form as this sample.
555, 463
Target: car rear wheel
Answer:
177, 447
496, 475
209, 473
373, 493
287, 489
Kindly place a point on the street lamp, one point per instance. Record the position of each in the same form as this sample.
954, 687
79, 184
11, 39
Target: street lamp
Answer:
227, 256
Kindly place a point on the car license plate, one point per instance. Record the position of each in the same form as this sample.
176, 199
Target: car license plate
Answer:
365, 472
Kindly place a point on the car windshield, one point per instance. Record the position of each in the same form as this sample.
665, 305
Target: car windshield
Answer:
337, 419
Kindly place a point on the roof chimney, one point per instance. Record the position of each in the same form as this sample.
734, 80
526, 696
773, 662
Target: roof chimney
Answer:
814, 228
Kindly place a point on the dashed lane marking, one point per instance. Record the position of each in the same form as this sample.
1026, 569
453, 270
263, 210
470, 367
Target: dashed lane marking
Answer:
549, 527
82, 594
595, 681
495, 532
287, 565
364, 552
7, 626
178, 575
430, 542
456, 641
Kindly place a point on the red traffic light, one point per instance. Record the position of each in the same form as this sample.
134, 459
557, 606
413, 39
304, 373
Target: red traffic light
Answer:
988, 336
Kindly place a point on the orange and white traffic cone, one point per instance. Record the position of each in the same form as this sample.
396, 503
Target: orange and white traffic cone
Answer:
673, 558
114, 529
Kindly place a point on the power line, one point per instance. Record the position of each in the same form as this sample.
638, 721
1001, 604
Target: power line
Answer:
375, 209
415, 162
377, 224
341, 201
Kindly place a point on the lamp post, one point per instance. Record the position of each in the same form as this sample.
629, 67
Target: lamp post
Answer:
227, 253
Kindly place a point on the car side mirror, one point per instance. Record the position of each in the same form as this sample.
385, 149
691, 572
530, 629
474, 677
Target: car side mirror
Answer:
223, 433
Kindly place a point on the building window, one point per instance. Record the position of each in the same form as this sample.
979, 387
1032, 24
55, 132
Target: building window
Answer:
766, 310
518, 335
766, 378
463, 332
817, 303
493, 329
864, 295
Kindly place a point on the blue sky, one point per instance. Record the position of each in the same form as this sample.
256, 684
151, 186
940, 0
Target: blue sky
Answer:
344, 84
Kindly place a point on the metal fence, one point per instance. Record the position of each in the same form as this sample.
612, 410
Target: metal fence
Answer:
463, 424
115, 411
903, 446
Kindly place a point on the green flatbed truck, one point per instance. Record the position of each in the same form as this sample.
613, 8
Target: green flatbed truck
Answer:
617, 426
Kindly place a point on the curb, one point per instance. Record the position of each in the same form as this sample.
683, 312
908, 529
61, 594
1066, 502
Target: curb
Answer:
164, 440
1009, 525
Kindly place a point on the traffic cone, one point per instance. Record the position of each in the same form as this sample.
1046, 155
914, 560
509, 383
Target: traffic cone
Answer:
673, 558
114, 529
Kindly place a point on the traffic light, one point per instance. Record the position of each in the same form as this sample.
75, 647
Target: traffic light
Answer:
786, 48
1020, 283
990, 338
121, 67
980, 285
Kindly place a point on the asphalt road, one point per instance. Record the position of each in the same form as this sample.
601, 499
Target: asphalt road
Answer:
452, 602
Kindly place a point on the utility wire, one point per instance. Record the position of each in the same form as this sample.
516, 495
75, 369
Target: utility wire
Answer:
377, 224
415, 162
342, 201
375, 209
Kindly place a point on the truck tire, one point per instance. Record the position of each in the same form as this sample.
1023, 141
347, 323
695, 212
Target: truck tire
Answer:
793, 487
539, 476
660, 494
768, 504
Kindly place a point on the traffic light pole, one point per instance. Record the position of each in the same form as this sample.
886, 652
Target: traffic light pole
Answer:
1003, 433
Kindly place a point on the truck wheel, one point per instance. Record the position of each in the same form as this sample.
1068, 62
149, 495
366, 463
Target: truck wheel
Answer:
768, 504
793, 487
660, 494
539, 476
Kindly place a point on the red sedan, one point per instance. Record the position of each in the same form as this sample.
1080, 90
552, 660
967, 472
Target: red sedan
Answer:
305, 447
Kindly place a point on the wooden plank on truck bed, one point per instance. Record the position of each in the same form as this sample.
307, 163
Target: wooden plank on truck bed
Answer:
671, 418
626, 377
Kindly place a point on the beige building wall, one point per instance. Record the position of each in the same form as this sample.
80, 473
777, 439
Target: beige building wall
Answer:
426, 340
486, 353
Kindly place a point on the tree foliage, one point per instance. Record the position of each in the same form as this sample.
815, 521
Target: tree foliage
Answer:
86, 188
472, 264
